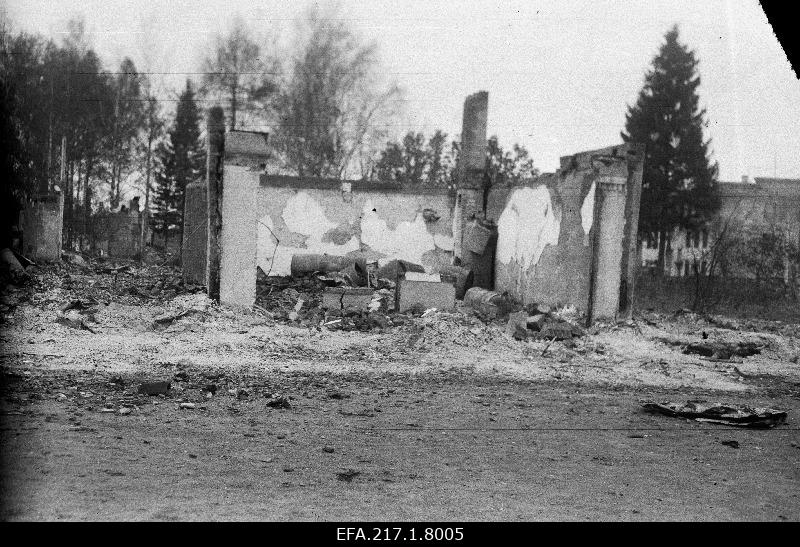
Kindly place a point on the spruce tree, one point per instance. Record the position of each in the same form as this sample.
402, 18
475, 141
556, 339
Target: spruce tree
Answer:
181, 161
165, 210
678, 186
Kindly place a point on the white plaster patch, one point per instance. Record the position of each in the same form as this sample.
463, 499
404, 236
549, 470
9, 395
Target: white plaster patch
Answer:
303, 215
587, 210
409, 241
443, 241
527, 225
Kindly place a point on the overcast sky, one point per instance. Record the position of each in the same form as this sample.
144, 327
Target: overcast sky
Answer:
559, 73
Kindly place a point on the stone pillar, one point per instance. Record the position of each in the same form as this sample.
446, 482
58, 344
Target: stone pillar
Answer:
245, 160
471, 168
42, 228
195, 234
214, 162
609, 247
631, 253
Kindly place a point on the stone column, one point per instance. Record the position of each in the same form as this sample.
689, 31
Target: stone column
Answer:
245, 160
214, 162
195, 233
609, 247
42, 227
471, 167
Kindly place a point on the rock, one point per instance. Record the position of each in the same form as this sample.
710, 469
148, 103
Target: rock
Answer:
73, 258
124, 411
154, 388
73, 319
279, 402
577, 331
377, 319
517, 326
117, 381
535, 322
187, 406
487, 305
347, 476
556, 330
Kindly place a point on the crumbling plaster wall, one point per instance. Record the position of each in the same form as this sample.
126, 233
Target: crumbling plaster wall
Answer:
313, 216
544, 251
568, 238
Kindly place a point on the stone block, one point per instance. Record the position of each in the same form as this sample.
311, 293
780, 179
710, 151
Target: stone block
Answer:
347, 298
476, 238
441, 296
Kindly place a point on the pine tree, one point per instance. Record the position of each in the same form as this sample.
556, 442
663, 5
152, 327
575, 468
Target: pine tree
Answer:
679, 182
181, 161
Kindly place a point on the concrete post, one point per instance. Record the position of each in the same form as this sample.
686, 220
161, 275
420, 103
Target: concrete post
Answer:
609, 247
214, 165
471, 167
245, 159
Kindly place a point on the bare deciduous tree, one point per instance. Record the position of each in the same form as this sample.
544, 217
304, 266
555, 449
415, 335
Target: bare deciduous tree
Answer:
333, 108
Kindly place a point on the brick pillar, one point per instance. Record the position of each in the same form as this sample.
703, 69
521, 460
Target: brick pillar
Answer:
214, 162
609, 247
471, 168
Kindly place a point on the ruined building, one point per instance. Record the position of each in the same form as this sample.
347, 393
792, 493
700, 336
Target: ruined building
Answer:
563, 238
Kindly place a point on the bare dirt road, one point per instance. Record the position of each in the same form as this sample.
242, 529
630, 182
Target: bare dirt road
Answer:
442, 418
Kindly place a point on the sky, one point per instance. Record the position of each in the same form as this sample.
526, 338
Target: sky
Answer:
560, 73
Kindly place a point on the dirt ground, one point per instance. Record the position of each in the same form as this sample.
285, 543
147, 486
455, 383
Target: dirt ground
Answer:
441, 418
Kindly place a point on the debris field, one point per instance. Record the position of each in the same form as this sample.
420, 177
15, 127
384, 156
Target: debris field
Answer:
134, 396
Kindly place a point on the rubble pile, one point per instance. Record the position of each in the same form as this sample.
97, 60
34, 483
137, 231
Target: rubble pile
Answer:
315, 299
352, 296
299, 301
541, 322
79, 285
